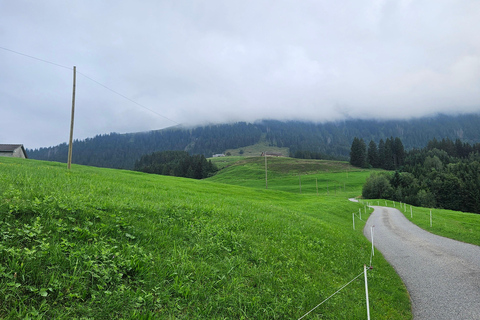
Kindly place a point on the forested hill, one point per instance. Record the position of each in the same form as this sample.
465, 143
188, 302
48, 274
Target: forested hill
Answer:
332, 138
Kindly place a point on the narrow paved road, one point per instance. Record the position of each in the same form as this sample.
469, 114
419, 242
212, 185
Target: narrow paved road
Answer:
441, 275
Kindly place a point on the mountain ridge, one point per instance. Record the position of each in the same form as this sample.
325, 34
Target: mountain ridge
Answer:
332, 139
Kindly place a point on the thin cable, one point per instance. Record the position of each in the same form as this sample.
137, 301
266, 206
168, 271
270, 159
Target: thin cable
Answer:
117, 93
125, 97
35, 58
331, 296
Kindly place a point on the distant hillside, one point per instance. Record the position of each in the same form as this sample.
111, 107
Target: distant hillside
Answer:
332, 138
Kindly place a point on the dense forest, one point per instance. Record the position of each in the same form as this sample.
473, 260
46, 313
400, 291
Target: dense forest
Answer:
389, 155
176, 163
445, 174
304, 139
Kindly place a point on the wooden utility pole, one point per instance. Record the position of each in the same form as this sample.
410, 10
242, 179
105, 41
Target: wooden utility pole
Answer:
300, 182
266, 179
71, 122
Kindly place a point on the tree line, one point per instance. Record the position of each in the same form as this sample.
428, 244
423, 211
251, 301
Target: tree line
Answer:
329, 140
445, 174
176, 163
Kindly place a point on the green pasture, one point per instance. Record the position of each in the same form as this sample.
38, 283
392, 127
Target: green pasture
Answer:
94, 243
328, 178
257, 149
223, 162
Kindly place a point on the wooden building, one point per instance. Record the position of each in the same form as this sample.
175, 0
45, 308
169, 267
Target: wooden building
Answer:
13, 150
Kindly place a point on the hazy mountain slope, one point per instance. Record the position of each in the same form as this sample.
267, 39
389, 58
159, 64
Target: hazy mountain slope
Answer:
332, 138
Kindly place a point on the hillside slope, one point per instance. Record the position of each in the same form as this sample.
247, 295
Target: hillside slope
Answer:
332, 138
109, 244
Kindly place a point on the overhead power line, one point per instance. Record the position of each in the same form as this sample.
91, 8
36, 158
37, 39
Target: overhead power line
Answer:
35, 58
91, 79
127, 98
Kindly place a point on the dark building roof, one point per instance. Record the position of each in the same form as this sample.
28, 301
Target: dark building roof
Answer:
9, 147
12, 148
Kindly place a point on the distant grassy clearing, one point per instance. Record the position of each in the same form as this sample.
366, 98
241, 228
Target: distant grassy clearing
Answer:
257, 149
289, 174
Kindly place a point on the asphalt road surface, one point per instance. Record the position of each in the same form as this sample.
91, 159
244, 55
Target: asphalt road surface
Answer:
441, 275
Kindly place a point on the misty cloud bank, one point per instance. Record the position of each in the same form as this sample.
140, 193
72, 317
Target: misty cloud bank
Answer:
218, 61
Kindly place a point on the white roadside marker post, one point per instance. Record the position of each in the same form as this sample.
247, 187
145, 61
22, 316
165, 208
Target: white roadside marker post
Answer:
430, 218
353, 216
373, 251
366, 291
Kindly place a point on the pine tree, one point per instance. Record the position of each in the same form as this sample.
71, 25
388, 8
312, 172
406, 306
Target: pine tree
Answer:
372, 154
398, 153
389, 163
358, 153
381, 154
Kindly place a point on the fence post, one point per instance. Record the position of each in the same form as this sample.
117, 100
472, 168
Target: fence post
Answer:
373, 251
366, 291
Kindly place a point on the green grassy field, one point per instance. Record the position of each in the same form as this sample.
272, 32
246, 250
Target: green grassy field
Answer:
257, 149
330, 178
93, 243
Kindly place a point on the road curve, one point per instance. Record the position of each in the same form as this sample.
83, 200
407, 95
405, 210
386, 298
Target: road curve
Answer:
441, 275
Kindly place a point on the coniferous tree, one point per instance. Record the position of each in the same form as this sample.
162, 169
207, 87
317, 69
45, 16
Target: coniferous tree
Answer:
372, 154
381, 154
398, 153
176, 163
433, 177
388, 163
358, 153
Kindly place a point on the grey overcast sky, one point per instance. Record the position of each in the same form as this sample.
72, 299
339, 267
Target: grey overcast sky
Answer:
197, 62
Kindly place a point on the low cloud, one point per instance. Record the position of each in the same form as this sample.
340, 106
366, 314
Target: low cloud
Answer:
195, 63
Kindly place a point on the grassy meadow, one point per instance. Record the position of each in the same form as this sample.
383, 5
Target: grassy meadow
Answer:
257, 149
94, 243
329, 178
